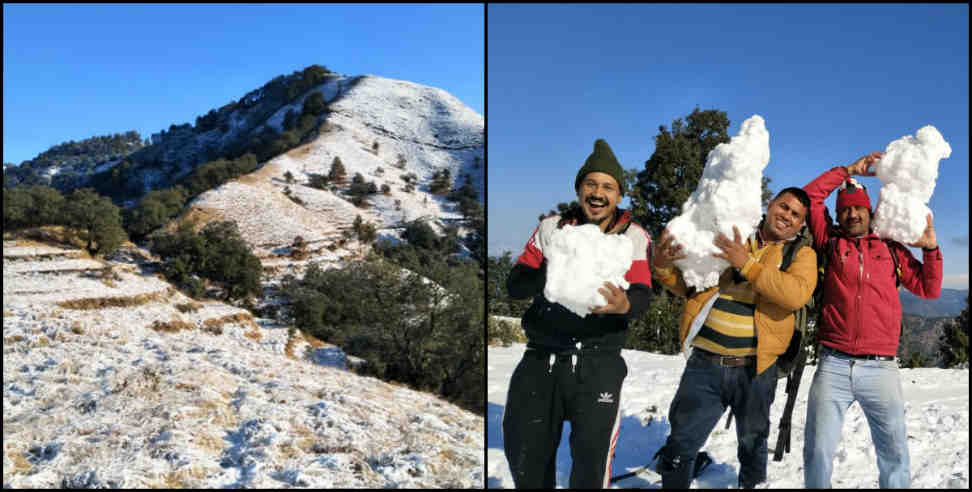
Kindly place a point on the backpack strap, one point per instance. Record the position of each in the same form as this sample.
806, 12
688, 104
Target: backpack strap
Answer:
892, 248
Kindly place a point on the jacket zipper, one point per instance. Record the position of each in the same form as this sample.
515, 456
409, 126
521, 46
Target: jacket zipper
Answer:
860, 288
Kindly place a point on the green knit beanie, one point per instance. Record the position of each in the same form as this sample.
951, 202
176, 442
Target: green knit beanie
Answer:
601, 160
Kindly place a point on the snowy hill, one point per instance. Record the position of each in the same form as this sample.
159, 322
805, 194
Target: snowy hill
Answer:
426, 126
113, 378
937, 413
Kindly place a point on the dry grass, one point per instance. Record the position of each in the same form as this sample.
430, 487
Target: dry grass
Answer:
173, 326
313, 341
13, 339
20, 464
76, 328
119, 301
189, 307
299, 152
291, 342
253, 335
215, 325
209, 442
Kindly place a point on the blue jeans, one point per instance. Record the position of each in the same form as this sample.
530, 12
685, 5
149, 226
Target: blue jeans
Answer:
703, 394
876, 386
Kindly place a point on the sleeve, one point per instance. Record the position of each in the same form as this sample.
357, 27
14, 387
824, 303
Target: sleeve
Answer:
818, 190
525, 282
923, 279
639, 274
671, 279
790, 289
529, 274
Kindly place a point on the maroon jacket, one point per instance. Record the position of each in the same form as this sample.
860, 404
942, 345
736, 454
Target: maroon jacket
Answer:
861, 309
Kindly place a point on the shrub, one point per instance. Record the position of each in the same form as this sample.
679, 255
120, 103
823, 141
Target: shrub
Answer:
405, 327
374, 147
318, 181
503, 332
217, 253
400, 163
387, 190
314, 104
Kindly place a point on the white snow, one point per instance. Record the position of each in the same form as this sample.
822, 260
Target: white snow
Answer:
728, 194
579, 260
97, 397
937, 413
908, 172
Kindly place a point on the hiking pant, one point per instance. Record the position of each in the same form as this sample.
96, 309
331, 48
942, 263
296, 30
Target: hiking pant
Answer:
703, 394
545, 390
875, 384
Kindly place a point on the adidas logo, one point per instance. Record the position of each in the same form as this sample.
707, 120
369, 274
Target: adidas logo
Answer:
606, 398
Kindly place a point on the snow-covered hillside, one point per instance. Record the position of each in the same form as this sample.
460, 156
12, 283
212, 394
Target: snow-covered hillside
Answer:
937, 412
113, 378
426, 127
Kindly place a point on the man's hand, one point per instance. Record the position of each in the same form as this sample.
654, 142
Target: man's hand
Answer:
927, 239
732, 251
666, 251
862, 166
617, 300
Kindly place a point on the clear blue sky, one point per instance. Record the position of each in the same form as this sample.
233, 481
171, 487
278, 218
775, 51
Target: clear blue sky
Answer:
76, 71
832, 81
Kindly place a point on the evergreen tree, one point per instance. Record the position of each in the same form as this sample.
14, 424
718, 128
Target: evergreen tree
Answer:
674, 169
337, 174
953, 344
314, 104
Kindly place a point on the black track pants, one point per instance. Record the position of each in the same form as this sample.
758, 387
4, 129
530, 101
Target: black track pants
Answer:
542, 396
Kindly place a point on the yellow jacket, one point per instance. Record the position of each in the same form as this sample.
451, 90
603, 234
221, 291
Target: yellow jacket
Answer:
778, 295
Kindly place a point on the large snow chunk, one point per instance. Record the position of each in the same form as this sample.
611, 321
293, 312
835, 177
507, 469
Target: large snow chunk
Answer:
579, 260
908, 172
729, 193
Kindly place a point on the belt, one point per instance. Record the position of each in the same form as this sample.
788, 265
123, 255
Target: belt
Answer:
727, 360
861, 356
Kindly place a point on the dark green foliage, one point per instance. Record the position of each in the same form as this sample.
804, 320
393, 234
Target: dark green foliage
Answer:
441, 181
217, 253
674, 169
400, 163
318, 181
289, 177
337, 174
290, 120
408, 329
97, 220
386, 189
306, 123
300, 82
657, 329
365, 231
154, 210
502, 332
953, 344
314, 104
767, 193
214, 173
83, 155
500, 303
374, 147
31, 206
410, 178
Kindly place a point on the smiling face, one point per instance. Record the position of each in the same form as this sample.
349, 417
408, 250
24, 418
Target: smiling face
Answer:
599, 196
854, 220
784, 217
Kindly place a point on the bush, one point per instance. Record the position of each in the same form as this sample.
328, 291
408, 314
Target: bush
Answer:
318, 181
217, 253
314, 104
289, 177
154, 210
387, 190
406, 328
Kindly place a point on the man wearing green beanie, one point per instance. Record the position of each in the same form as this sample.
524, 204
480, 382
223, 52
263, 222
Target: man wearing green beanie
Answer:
572, 368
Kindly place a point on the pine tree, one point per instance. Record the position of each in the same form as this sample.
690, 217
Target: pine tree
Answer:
337, 174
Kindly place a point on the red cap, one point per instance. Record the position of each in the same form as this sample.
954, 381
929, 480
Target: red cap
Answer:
852, 193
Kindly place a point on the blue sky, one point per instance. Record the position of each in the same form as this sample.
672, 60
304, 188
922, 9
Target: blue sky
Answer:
76, 71
832, 81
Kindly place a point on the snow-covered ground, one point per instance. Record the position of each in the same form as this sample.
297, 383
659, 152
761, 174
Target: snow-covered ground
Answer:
111, 397
937, 411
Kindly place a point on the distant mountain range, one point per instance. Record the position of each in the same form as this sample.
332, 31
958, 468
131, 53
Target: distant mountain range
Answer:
950, 303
